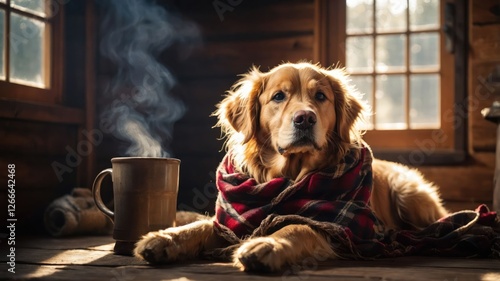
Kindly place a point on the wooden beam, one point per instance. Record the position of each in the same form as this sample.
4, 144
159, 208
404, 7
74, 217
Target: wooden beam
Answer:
87, 173
329, 32
40, 112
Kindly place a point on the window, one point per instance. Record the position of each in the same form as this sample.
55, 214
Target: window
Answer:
392, 53
29, 42
397, 55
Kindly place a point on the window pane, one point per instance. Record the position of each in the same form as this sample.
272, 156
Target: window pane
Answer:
424, 14
33, 6
390, 102
424, 101
26, 51
359, 54
390, 52
359, 16
364, 84
2, 44
424, 50
391, 15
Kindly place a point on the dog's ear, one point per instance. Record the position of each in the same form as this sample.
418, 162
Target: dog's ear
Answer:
347, 114
238, 112
349, 108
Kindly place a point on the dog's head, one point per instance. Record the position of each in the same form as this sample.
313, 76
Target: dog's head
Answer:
293, 111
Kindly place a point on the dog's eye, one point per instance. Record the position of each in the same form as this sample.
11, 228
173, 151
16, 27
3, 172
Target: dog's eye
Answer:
279, 96
319, 96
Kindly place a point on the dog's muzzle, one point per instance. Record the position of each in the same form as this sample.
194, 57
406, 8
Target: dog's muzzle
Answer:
304, 119
303, 136
303, 122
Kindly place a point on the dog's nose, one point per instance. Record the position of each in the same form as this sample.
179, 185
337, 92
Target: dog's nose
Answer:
304, 119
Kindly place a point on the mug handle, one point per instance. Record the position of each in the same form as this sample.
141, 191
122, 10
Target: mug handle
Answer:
96, 192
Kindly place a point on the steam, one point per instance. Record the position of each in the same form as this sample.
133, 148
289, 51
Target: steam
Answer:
133, 34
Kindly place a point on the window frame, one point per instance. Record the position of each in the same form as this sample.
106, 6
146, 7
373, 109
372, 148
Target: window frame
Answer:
25, 93
411, 146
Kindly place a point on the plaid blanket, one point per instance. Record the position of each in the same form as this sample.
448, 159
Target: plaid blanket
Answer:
335, 203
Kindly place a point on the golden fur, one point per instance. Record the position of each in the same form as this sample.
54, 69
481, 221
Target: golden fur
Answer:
287, 122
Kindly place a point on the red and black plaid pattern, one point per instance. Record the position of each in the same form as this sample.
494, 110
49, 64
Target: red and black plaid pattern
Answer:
335, 203
339, 196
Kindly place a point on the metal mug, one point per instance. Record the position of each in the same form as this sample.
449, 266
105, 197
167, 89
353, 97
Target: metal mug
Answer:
145, 197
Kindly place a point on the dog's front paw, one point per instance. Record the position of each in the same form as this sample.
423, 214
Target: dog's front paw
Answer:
263, 254
157, 247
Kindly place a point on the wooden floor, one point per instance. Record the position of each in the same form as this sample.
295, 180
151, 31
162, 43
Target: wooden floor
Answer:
92, 258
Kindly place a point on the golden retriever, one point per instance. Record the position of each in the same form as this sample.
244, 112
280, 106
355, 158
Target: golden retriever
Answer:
287, 122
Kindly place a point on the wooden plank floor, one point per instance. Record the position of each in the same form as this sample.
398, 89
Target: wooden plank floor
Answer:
91, 258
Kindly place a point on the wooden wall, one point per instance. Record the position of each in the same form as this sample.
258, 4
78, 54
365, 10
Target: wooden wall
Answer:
484, 61
32, 147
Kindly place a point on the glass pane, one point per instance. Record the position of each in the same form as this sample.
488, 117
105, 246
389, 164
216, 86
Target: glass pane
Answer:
390, 53
391, 15
364, 84
359, 54
390, 102
26, 51
32, 6
2, 44
424, 101
359, 16
424, 48
424, 14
